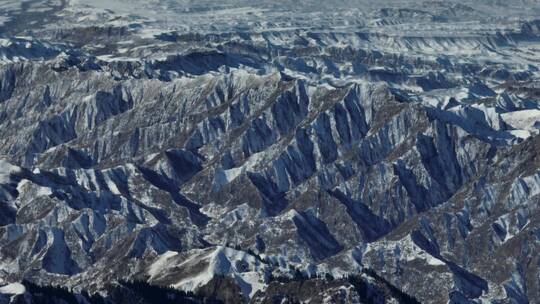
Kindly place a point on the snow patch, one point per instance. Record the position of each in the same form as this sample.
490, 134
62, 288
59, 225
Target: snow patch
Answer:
6, 169
161, 263
527, 120
406, 249
232, 174
223, 177
410, 252
13, 289
244, 268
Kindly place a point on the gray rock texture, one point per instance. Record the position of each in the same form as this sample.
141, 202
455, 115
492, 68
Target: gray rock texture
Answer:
325, 152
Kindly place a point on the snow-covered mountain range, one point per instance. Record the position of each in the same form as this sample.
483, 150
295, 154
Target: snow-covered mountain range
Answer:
271, 151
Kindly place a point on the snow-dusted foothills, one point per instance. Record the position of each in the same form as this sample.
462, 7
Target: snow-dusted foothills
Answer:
270, 151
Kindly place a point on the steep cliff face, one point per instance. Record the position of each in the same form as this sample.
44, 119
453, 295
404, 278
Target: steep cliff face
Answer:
371, 153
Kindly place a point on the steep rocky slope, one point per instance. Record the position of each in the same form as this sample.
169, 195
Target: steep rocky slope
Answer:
257, 151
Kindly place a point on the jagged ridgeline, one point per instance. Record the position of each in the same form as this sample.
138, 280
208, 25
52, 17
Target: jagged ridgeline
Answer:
269, 151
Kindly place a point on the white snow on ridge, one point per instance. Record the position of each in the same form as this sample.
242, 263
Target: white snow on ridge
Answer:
223, 177
244, 268
6, 169
407, 251
410, 252
13, 289
233, 173
523, 120
161, 263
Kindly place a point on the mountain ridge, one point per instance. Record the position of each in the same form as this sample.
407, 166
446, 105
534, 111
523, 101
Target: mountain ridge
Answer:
250, 150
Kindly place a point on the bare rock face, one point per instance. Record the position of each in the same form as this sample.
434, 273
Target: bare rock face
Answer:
264, 152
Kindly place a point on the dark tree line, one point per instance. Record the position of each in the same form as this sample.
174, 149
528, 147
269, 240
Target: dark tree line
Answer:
368, 292
397, 293
139, 292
